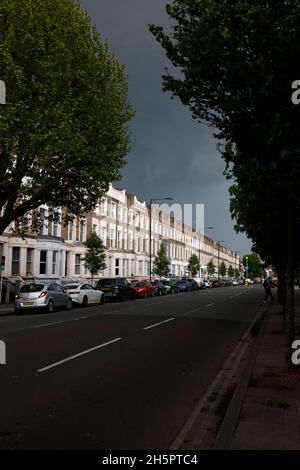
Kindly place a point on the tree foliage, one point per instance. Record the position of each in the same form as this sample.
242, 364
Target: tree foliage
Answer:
193, 265
255, 265
94, 259
63, 134
237, 273
211, 268
161, 263
237, 61
223, 269
230, 271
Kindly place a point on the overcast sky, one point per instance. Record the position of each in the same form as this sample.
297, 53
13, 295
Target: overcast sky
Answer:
171, 155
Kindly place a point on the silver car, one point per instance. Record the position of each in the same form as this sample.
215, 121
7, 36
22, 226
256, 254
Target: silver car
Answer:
42, 295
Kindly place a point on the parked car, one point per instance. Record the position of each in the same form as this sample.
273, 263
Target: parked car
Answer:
117, 288
208, 283
143, 288
216, 283
42, 296
202, 284
194, 284
170, 287
159, 288
84, 294
228, 283
184, 286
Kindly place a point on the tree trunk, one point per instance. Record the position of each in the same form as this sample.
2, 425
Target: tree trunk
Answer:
290, 278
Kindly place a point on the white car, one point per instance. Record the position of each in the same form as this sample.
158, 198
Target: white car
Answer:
84, 294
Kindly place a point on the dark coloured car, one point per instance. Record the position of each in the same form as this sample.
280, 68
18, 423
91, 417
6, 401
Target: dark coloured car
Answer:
170, 287
159, 288
184, 286
117, 288
194, 284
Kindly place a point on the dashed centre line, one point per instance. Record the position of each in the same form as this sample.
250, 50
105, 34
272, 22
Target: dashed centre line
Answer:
70, 358
157, 324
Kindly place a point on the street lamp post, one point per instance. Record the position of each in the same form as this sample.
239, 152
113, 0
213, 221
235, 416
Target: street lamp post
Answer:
218, 242
235, 253
150, 229
201, 228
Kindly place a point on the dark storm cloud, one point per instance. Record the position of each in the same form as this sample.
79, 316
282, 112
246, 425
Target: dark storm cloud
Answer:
171, 154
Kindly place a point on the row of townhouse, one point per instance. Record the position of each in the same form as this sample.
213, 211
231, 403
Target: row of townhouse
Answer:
122, 222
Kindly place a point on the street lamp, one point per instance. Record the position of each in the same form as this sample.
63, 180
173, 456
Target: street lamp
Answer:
218, 242
201, 228
150, 228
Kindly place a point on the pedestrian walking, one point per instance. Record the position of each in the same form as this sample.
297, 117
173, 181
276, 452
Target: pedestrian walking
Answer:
268, 284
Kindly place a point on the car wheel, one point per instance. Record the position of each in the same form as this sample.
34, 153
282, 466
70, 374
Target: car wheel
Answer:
50, 307
69, 305
102, 300
85, 301
133, 296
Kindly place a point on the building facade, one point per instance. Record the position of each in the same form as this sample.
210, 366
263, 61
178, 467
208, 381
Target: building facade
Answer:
122, 222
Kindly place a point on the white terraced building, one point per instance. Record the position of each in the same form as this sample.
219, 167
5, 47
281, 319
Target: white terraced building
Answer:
122, 222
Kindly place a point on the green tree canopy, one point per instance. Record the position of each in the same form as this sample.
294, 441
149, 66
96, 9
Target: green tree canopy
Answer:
63, 134
211, 268
230, 271
193, 265
237, 273
161, 263
94, 259
255, 265
223, 269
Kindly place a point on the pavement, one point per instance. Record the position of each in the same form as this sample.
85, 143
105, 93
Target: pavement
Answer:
270, 414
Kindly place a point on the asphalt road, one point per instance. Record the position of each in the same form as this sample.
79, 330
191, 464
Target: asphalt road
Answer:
118, 376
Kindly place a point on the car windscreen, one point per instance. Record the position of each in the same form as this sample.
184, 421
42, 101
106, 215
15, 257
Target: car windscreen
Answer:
106, 282
138, 284
32, 288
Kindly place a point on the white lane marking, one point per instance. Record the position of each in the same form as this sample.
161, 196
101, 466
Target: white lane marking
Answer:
70, 358
210, 305
192, 311
157, 324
